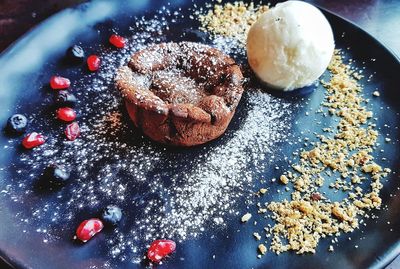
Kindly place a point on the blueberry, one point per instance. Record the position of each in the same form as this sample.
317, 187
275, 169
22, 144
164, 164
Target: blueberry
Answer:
65, 98
112, 215
75, 54
56, 174
17, 123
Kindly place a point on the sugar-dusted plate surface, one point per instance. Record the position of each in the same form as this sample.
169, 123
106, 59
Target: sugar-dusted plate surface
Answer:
210, 186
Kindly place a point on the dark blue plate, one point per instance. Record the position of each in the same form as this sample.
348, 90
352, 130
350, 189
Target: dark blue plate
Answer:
25, 69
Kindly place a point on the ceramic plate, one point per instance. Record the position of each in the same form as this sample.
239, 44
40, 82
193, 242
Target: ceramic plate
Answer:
194, 196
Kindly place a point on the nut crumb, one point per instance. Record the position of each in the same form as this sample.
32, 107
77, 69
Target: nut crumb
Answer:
231, 19
246, 217
284, 179
303, 221
257, 236
262, 249
263, 191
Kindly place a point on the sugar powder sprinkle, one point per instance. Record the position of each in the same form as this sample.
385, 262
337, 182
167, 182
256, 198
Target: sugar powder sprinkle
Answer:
161, 191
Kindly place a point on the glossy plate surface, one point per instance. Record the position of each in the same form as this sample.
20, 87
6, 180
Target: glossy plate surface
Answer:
25, 69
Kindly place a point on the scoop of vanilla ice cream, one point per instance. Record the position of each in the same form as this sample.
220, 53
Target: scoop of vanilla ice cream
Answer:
290, 46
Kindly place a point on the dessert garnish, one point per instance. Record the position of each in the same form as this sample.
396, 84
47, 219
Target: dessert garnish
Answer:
111, 215
93, 62
117, 41
159, 249
66, 114
59, 83
232, 20
72, 131
65, 99
302, 221
16, 124
246, 217
88, 228
33, 140
75, 54
56, 174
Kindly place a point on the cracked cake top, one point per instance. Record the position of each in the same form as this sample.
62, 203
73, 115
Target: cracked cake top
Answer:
186, 79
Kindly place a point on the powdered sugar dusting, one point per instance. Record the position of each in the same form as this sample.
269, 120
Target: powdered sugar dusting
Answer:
213, 186
163, 192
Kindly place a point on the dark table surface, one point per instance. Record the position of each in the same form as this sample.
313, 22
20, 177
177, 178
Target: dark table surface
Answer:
381, 18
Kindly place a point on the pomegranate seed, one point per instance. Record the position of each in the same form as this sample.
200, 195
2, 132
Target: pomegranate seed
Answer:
59, 83
88, 228
33, 140
159, 249
66, 114
72, 131
93, 62
117, 41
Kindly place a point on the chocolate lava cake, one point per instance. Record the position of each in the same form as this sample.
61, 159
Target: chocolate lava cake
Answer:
182, 94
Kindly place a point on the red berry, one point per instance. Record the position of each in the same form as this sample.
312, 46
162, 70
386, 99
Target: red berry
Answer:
159, 249
93, 62
33, 140
72, 131
117, 41
88, 228
66, 114
59, 83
